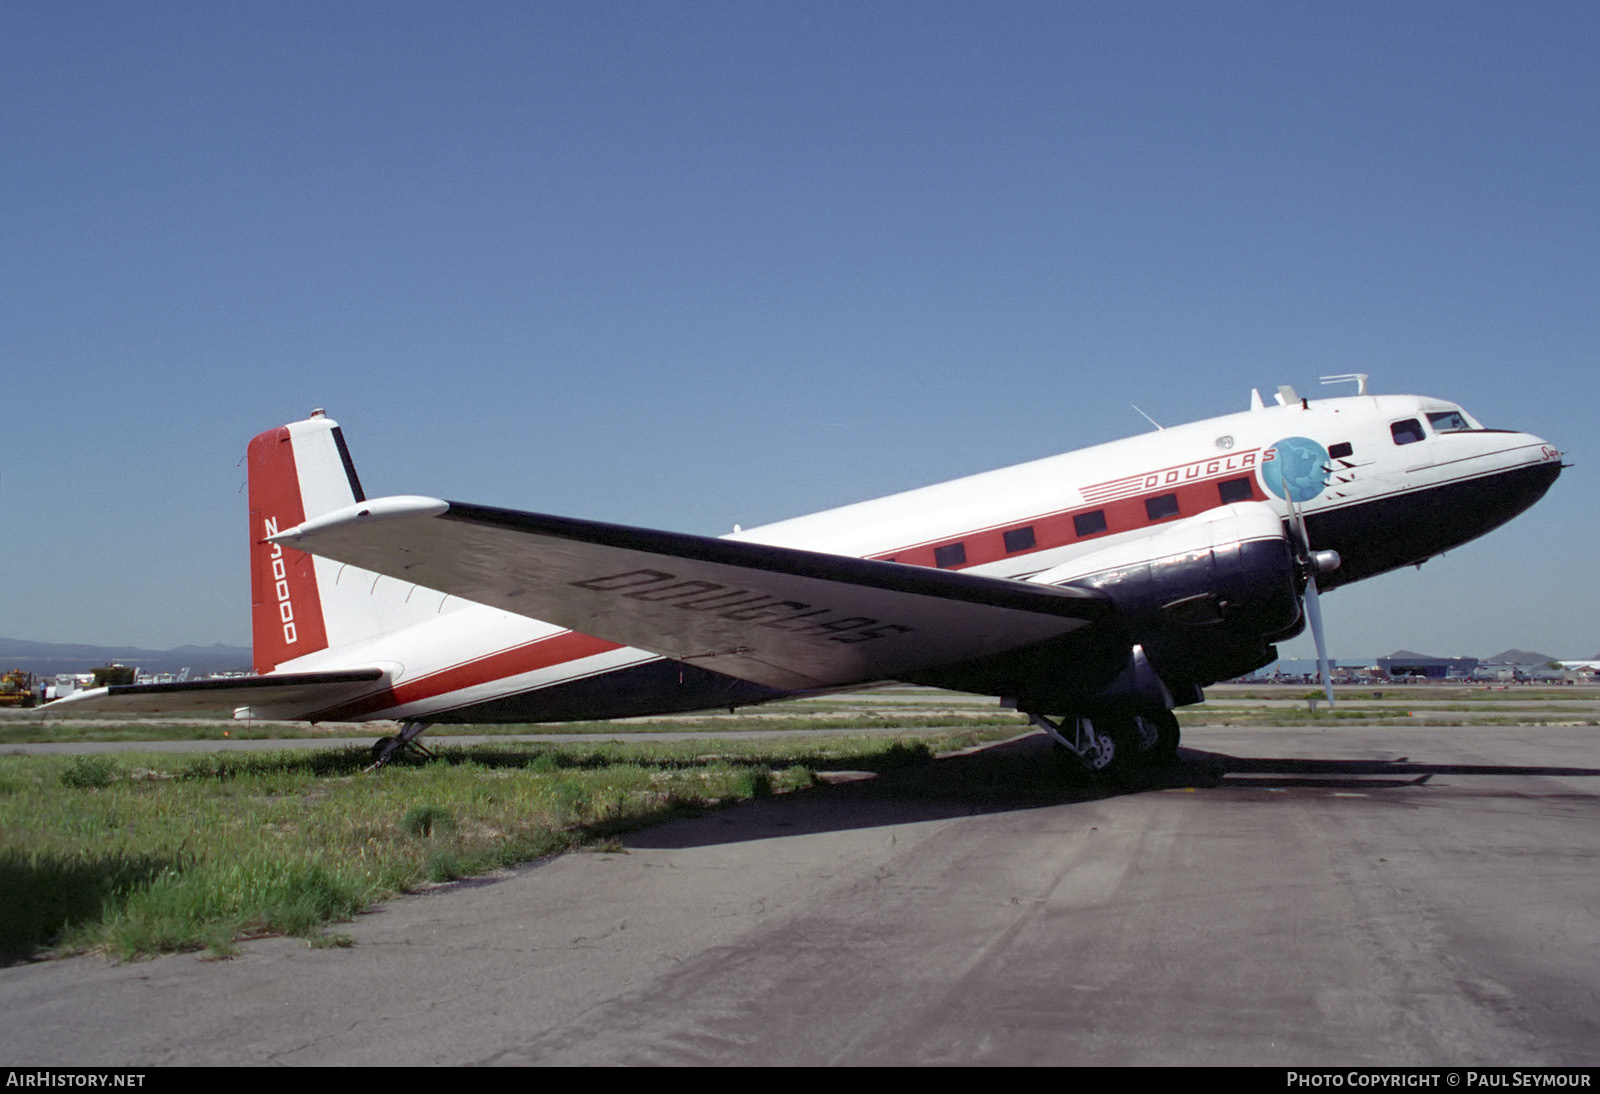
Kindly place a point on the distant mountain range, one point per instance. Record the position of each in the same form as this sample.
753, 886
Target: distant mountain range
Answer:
1505, 657
1521, 657
50, 658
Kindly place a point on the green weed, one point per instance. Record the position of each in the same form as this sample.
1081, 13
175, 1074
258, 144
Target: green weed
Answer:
424, 820
47, 895
88, 772
443, 866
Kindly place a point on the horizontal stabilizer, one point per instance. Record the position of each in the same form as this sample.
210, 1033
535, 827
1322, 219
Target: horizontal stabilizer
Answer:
289, 691
773, 615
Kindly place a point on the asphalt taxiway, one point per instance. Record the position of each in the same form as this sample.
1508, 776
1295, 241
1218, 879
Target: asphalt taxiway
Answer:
1341, 896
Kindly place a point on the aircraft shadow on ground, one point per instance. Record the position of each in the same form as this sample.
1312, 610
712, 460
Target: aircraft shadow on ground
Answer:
1023, 774
1403, 772
46, 893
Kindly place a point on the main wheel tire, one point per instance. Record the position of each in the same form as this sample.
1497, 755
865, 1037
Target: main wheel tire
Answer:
1165, 752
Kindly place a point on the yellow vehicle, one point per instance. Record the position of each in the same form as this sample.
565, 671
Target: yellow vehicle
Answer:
16, 689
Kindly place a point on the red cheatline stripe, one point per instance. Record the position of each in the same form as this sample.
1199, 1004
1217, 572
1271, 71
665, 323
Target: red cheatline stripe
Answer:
1100, 490
1129, 486
986, 545
529, 657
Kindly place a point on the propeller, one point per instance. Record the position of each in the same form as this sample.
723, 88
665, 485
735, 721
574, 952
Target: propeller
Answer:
1313, 563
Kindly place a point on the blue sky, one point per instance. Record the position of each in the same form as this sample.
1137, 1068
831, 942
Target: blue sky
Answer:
691, 264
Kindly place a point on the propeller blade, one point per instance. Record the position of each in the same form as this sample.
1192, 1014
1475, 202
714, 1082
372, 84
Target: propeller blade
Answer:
1312, 562
1313, 603
1298, 524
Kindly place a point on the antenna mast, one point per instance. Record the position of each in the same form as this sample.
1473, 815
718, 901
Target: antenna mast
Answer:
1360, 379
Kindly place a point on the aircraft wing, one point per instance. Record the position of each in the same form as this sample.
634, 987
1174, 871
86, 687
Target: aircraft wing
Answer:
298, 690
773, 615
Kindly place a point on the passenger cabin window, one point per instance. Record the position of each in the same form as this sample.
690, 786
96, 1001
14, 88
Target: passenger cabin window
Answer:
1232, 490
1341, 450
1088, 524
1019, 539
1449, 421
1407, 432
1165, 505
950, 556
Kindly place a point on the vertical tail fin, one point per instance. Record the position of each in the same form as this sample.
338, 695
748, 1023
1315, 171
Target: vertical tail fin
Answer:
301, 604
297, 472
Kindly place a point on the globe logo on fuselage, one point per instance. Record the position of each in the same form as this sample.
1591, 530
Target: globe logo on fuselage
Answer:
1296, 468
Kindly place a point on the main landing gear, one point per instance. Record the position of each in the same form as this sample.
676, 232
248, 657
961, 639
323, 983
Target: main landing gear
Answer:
1110, 747
385, 749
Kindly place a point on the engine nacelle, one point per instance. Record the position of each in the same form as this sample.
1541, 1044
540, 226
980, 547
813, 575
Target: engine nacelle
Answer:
1205, 598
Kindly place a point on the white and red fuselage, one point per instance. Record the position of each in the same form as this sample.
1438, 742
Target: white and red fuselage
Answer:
1385, 481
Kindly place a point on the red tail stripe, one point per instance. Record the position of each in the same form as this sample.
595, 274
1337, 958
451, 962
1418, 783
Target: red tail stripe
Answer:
285, 608
542, 653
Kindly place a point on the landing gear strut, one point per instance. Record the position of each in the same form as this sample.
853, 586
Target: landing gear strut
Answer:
1102, 750
1110, 746
385, 749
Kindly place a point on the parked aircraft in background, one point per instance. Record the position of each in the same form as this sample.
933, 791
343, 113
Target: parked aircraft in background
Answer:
1095, 590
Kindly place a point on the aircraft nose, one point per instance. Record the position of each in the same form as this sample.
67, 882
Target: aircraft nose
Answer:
1507, 449
1529, 466
1541, 452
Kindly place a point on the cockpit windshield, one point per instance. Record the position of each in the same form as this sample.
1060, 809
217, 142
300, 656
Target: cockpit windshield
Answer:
1451, 421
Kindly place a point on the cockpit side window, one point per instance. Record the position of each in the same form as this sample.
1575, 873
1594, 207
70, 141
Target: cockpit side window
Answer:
1449, 421
1407, 432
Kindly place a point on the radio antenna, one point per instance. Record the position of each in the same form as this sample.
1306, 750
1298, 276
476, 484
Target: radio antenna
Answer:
1359, 378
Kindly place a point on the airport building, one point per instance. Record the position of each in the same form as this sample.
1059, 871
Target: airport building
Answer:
1404, 666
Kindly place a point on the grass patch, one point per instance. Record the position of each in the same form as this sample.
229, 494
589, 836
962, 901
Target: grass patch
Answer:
47, 728
87, 772
153, 853
786, 717
422, 820
51, 894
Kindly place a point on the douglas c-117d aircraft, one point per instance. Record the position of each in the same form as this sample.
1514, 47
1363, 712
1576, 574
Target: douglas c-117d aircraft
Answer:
1094, 591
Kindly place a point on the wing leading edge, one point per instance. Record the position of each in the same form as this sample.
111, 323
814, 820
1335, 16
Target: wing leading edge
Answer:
774, 615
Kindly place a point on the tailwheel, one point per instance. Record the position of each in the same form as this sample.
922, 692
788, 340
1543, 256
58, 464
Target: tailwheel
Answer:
385, 749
